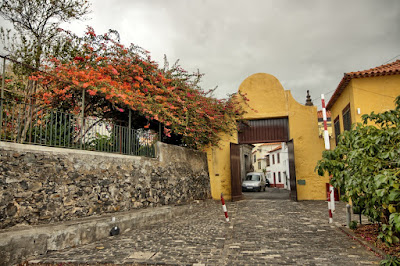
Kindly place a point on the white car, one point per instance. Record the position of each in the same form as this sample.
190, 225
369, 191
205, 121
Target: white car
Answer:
254, 181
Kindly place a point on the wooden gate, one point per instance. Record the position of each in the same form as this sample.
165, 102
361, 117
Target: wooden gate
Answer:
292, 171
261, 131
236, 181
264, 130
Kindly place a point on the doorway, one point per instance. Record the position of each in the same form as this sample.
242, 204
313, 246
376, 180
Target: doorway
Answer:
267, 131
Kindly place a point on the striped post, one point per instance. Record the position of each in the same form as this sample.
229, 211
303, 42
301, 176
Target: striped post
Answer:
326, 133
331, 194
224, 208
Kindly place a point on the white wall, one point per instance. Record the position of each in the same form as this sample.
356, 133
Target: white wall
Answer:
282, 167
261, 151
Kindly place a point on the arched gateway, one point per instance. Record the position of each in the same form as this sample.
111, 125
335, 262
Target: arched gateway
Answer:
272, 116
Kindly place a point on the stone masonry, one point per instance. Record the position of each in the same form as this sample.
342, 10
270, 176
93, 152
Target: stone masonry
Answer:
40, 185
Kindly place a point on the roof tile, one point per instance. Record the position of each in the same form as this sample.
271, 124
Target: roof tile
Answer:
319, 113
383, 70
277, 148
269, 144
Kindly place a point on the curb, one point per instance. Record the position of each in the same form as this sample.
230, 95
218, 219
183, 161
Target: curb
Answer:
364, 243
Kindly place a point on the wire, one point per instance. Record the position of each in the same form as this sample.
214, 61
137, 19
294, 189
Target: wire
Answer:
376, 93
326, 93
335, 89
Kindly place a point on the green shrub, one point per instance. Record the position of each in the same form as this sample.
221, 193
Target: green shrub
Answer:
353, 225
390, 261
366, 165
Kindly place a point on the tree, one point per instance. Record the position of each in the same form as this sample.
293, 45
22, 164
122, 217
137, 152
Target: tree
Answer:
36, 24
366, 166
36, 35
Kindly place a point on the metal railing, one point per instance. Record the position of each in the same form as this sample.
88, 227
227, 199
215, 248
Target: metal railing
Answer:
33, 124
24, 122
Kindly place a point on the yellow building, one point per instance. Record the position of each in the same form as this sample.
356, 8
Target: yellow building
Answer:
361, 93
272, 110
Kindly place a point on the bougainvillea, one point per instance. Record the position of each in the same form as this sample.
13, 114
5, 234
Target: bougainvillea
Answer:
116, 79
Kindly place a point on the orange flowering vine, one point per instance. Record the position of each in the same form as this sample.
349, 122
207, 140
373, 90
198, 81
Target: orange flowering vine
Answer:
116, 79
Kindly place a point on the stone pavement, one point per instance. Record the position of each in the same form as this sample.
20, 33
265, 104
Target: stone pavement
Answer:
262, 231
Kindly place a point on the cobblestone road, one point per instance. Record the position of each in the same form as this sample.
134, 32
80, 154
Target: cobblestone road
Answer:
262, 231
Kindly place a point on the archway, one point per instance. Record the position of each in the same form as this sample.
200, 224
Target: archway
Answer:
272, 130
272, 115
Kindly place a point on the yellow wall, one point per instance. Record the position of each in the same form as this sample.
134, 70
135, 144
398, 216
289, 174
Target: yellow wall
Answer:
345, 98
219, 167
375, 94
266, 96
369, 94
269, 100
308, 147
259, 157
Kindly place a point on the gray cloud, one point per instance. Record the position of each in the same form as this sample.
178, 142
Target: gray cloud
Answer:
307, 45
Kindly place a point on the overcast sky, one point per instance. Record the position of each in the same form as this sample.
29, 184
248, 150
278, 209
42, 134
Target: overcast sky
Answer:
307, 45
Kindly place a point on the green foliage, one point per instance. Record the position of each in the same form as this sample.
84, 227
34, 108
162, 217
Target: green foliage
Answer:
366, 165
52, 129
353, 225
387, 234
100, 142
390, 261
146, 150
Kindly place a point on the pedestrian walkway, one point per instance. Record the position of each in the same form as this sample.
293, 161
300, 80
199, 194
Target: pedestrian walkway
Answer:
261, 232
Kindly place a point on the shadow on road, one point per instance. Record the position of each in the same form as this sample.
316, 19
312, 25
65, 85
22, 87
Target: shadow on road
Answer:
270, 193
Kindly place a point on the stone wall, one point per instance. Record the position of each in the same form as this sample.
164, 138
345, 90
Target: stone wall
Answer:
40, 185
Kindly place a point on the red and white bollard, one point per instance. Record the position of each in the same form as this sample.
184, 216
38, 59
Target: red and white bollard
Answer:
331, 194
224, 208
330, 206
332, 202
326, 133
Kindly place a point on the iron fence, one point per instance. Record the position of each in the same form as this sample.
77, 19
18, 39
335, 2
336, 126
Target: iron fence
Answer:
33, 124
24, 122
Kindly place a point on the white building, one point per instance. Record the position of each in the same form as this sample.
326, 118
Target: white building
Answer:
260, 156
278, 174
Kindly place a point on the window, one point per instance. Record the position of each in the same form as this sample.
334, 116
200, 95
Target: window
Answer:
268, 163
346, 118
255, 158
279, 177
337, 128
273, 159
259, 165
277, 158
253, 177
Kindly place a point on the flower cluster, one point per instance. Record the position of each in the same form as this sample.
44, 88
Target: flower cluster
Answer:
116, 78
